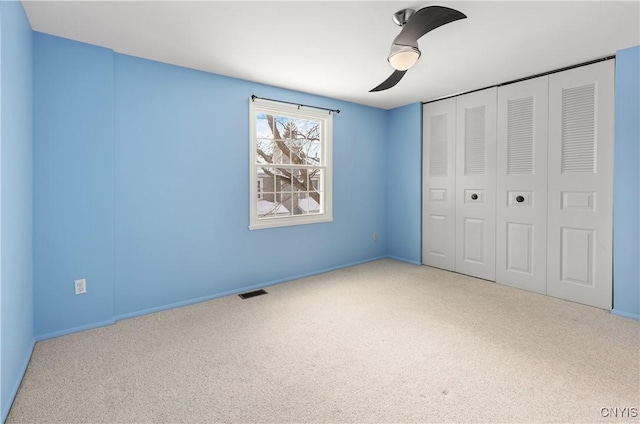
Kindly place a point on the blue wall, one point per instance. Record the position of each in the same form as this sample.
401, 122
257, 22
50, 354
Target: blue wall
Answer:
151, 204
181, 184
73, 184
16, 280
404, 175
626, 204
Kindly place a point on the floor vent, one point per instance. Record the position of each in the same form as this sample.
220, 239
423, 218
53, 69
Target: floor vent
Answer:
252, 294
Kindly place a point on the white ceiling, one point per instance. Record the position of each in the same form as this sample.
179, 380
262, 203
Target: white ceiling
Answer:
338, 49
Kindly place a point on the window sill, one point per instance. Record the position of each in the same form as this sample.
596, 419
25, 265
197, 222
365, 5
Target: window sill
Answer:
289, 222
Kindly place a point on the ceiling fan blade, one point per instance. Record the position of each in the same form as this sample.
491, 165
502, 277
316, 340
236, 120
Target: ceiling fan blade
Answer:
389, 82
425, 20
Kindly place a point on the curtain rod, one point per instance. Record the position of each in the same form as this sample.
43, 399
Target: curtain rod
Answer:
566, 68
253, 97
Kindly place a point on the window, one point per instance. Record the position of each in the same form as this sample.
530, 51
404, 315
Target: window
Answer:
290, 165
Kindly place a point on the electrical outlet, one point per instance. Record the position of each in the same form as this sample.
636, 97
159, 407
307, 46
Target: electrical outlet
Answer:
81, 286
375, 236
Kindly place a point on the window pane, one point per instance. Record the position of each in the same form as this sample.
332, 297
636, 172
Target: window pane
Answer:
307, 134
266, 176
273, 203
303, 179
263, 126
315, 178
307, 128
264, 151
271, 209
312, 152
285, 198
284, 179
280, 153
303, 176
309, 203
272, 139
279, 128
297, 206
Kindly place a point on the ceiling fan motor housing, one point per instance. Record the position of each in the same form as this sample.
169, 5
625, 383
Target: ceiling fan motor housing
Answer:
401, 17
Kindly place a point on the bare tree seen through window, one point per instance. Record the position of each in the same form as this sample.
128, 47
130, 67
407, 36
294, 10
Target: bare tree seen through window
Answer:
286, 141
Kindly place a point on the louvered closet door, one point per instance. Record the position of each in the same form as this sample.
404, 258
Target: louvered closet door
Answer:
476, 184
521, 225
438, 184
581, 184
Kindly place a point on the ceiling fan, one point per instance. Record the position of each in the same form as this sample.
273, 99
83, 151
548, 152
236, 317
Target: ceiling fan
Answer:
404, 49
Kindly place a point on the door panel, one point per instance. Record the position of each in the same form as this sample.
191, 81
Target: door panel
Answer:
577, 258
474, 241
520, 248
438, 184
581, 184
436, 228
476, 184
521, 227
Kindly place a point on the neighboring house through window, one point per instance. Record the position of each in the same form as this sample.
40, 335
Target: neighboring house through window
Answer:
290, 165
260, 184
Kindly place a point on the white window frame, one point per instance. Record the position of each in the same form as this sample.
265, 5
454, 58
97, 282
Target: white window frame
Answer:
257, 106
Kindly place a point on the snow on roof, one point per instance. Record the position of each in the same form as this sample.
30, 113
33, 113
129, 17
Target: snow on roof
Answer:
308, 205
267, 208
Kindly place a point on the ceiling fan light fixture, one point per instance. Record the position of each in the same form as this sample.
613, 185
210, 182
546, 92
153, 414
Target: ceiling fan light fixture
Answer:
403, 57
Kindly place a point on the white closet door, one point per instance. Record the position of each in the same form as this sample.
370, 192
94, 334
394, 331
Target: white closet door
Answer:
476, 184
521, 224
581, 184
438, 184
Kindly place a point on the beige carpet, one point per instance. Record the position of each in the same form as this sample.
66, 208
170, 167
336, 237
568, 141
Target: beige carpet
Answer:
379, 342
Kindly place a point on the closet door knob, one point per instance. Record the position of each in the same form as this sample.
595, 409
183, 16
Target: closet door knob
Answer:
474, 196
519, 199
